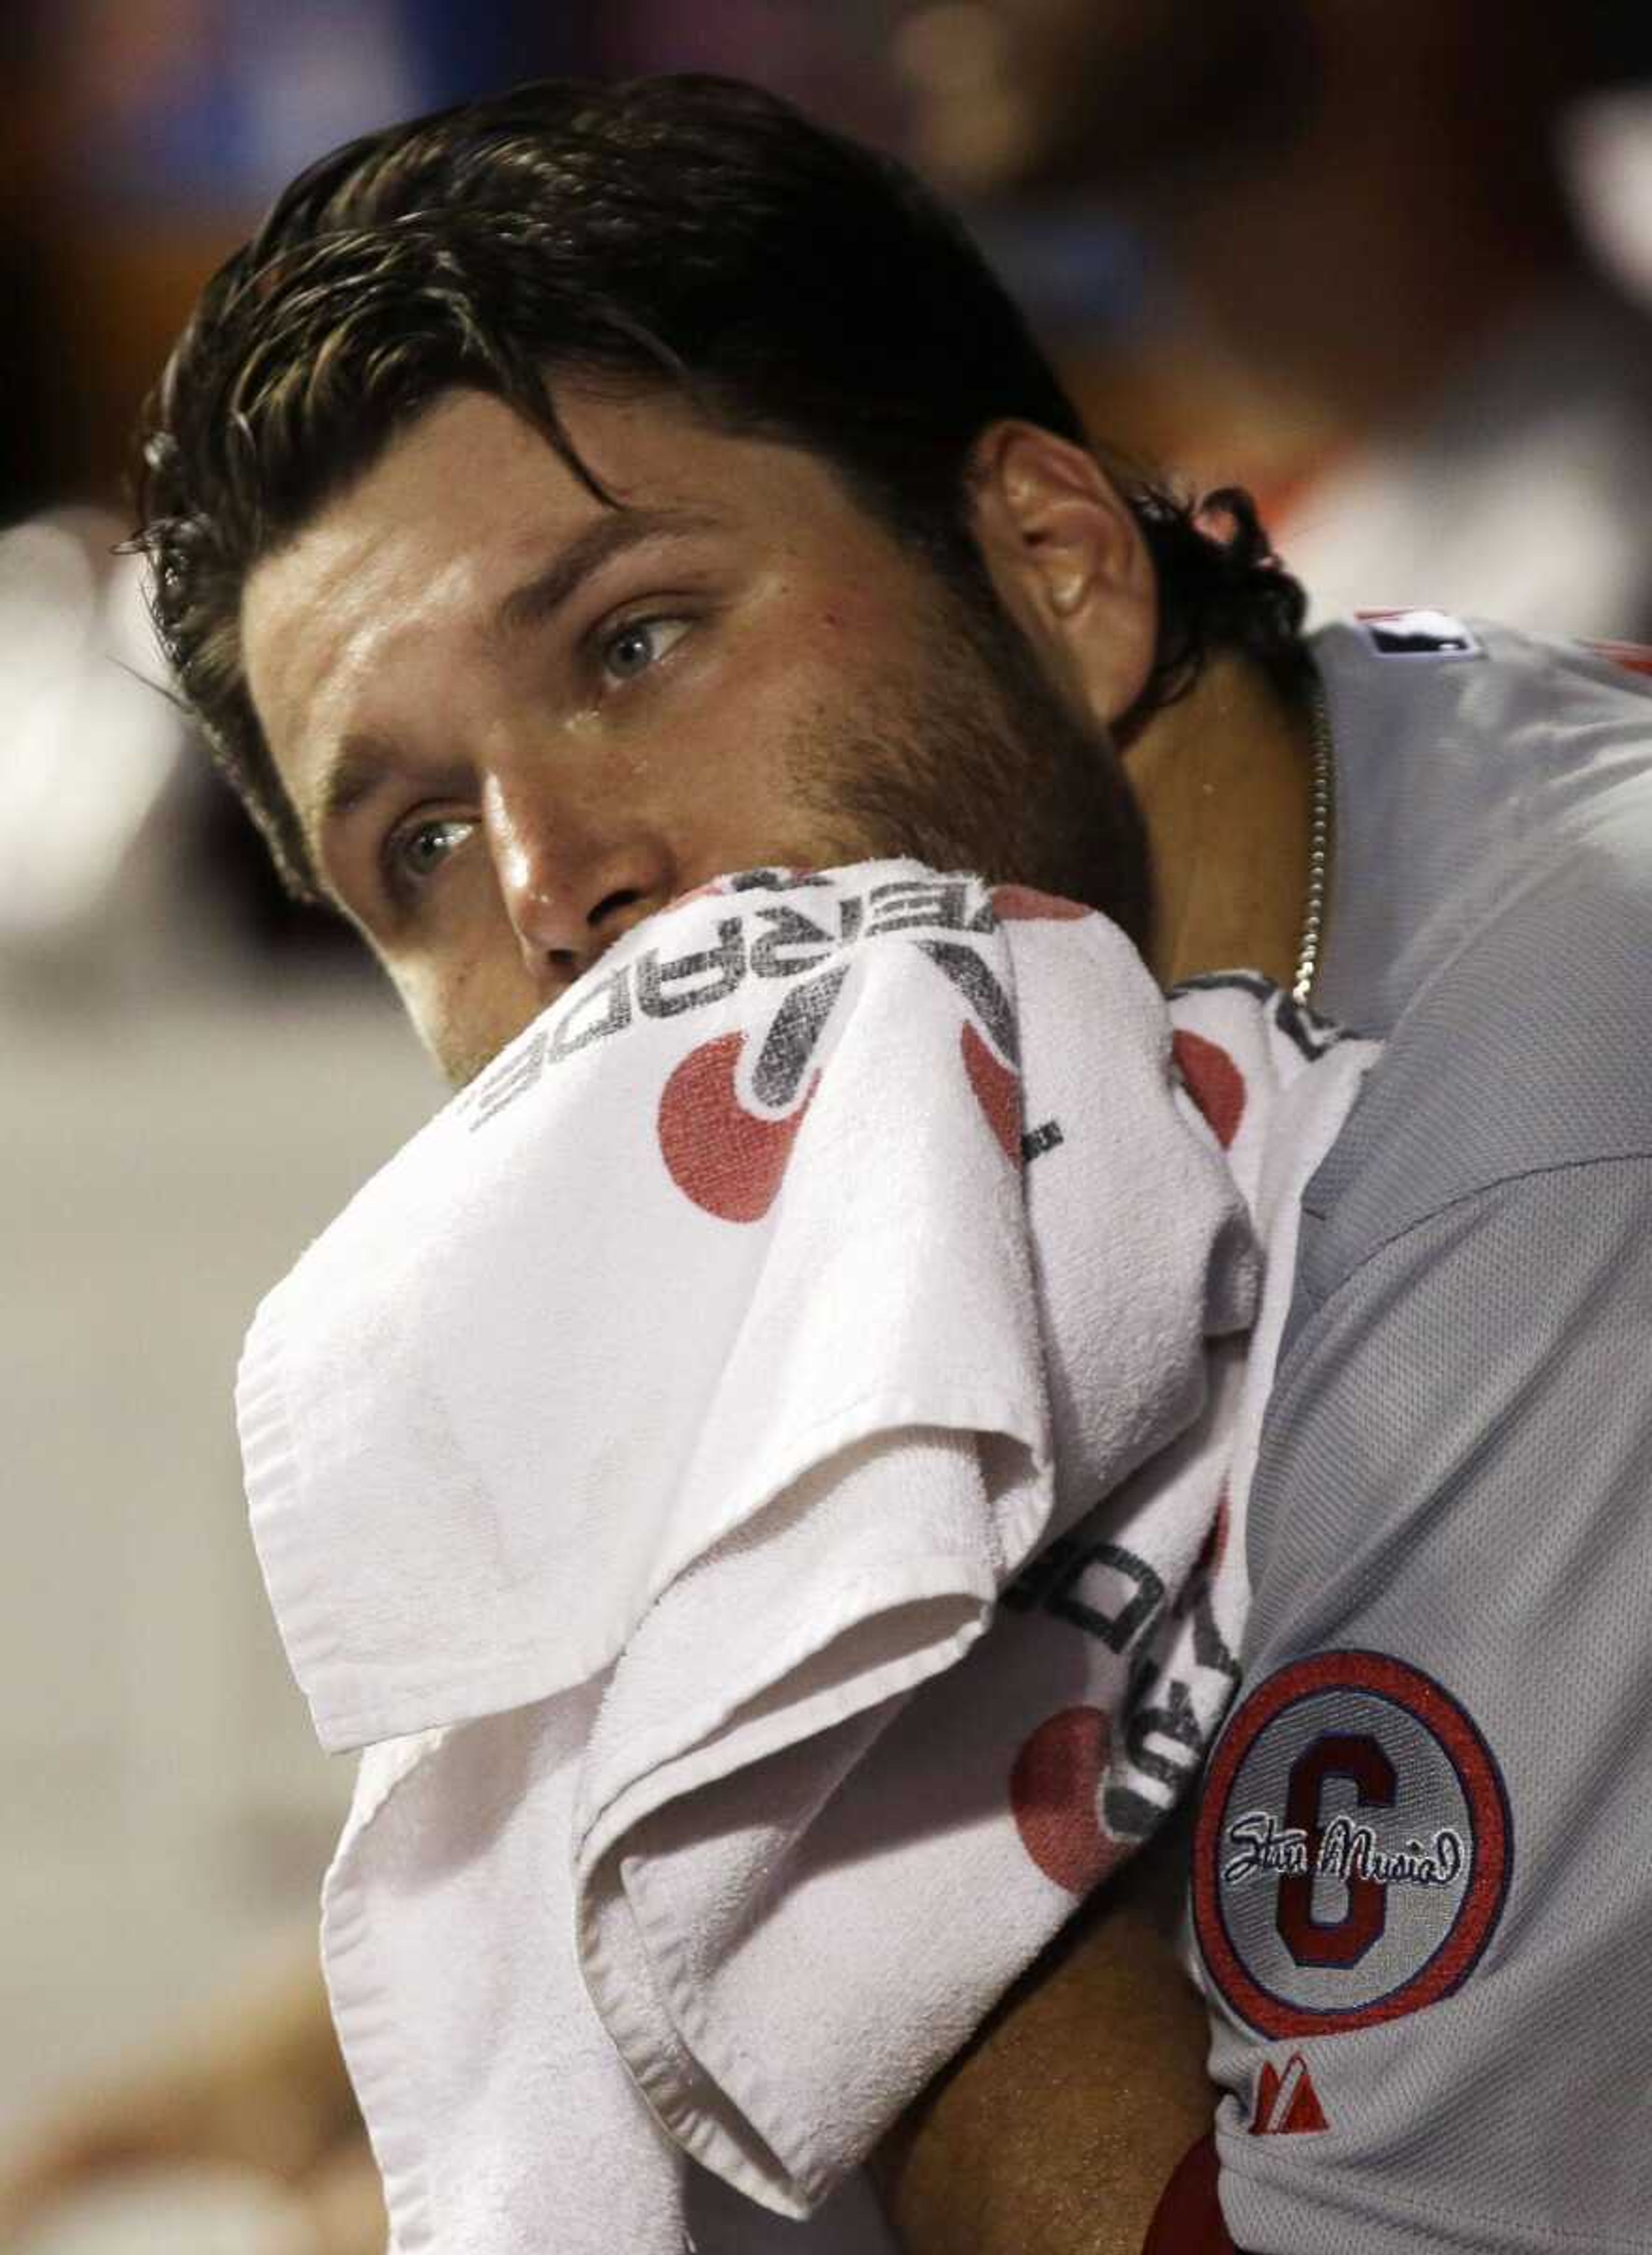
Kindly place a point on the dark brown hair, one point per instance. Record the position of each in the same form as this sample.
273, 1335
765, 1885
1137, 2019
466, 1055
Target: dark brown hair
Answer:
690, 229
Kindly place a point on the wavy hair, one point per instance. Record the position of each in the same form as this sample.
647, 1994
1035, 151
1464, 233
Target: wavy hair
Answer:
692, 230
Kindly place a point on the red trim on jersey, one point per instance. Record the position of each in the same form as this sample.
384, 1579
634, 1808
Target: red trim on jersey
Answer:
1188, 2220
1633, 656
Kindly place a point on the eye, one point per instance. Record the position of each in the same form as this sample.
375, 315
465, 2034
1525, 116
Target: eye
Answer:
414, 854
639, 644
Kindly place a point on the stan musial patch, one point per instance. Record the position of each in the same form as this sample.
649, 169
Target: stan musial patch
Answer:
1353, 1847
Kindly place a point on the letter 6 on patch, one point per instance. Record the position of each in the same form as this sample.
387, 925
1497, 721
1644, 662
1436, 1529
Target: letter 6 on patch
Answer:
1353, 1847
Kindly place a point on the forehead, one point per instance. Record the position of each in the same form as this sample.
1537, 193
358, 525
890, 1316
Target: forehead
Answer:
397, 579
451, 513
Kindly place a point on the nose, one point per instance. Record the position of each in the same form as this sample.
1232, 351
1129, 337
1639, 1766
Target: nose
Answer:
572, 880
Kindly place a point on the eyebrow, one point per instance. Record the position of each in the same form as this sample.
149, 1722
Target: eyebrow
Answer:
541, 597
361, 765
354, 776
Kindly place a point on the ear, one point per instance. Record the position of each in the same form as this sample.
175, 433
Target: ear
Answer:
1068, 560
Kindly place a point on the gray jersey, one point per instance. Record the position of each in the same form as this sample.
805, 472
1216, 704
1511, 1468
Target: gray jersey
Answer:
1423, 1875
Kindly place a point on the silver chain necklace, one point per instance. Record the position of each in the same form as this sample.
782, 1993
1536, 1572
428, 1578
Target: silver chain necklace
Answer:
1319, 845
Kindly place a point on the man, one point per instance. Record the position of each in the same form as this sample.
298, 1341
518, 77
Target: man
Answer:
569, 498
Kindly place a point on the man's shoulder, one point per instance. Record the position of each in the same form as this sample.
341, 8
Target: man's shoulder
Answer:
1523, 1051
1467, 758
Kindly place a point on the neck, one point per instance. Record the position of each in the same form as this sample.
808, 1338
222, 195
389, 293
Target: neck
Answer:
1224, 779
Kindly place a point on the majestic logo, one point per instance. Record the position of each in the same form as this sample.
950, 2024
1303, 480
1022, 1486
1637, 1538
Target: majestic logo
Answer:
1353, 1847
1287, 2103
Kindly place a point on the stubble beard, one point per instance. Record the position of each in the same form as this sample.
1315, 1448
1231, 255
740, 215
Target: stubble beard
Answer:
974, 762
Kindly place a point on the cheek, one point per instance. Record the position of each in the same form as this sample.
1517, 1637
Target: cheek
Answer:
466, 988
423, 999
460, 1011
734, 757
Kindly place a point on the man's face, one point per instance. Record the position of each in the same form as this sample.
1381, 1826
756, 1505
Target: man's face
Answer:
516, 721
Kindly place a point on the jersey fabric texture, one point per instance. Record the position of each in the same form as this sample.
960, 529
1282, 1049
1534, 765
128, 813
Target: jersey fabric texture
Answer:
1423, 1874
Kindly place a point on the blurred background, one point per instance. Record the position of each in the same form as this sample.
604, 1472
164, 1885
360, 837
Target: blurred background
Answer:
1390, 267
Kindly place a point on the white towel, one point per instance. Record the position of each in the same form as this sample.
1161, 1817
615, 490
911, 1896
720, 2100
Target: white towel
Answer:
636, 1461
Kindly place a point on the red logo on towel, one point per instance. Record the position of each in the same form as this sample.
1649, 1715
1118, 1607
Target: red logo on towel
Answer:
726, 1159
1055, 1793
1212, 1080
730, 1159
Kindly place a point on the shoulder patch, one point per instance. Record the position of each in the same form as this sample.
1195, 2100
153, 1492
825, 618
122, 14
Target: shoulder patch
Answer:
1418, 634
1353, 1847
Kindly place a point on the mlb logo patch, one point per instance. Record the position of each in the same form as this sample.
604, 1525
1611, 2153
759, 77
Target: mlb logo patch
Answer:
1418, 634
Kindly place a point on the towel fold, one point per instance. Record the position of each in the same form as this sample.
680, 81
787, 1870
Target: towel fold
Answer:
852, 1259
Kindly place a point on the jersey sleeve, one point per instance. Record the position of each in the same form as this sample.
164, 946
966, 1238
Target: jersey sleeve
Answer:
1423, 1870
